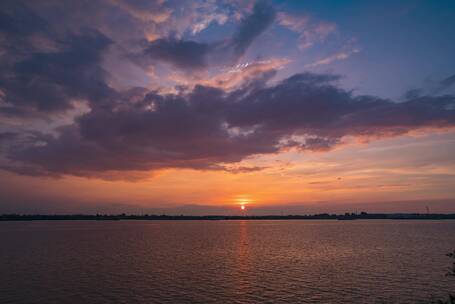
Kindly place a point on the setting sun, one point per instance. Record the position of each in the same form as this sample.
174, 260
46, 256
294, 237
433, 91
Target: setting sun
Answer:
242, 207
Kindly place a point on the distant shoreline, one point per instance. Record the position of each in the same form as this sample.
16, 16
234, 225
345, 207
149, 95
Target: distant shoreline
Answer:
323, 216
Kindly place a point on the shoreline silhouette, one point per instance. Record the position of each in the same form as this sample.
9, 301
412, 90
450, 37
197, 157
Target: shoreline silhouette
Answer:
322, 216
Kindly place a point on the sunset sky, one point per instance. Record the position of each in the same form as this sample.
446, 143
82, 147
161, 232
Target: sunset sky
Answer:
204, 106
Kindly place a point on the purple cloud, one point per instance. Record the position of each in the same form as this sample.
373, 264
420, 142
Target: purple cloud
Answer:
208, 127
129, 128
188, 54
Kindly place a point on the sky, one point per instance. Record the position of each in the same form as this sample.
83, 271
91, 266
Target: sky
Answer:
200, 107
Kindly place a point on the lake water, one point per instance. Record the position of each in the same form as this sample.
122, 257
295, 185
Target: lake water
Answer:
225, 261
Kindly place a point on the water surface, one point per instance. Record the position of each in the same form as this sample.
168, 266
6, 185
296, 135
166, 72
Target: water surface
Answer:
225, 261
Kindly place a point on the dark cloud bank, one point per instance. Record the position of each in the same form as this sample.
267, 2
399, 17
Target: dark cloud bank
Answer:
204, 128
208, 127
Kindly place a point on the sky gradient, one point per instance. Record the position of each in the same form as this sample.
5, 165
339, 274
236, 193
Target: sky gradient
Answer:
203, 106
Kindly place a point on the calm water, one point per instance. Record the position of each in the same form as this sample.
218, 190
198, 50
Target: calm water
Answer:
225, 261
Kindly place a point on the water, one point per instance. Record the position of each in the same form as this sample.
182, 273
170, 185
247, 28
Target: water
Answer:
225, 261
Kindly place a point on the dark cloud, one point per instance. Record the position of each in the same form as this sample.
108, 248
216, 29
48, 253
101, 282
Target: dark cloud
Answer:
18, 21
448, 82
181, 53
117, 19
7, 136
208, 128
188, 54
20, 28
50, 80
45, 69
262, 17
52, 53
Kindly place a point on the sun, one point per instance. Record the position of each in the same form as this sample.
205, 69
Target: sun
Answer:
242, 200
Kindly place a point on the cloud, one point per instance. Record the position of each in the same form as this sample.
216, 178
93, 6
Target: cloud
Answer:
47, 76
145, 10
447, 83
43, 82
342, 55
210, 129
206, 20
181, 53
7, 136
54, 55
187, 54
310, 32
49, 66
252, 26
120, 20
235, 77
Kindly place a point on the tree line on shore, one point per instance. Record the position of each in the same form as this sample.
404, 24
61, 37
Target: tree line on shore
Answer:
321, 216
